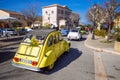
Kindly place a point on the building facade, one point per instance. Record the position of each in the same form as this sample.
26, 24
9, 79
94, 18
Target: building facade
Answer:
56, 15
117, 20
13, 15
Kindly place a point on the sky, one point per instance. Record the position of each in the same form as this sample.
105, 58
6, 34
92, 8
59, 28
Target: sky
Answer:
78, 6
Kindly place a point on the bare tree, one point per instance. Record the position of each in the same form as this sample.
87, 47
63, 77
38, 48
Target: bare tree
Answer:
31, 13
74, 19
96, 15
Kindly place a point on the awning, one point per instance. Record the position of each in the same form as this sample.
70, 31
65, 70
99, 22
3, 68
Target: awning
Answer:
7, 18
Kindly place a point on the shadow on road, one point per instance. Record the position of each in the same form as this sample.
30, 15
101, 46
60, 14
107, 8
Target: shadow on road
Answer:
65, 60
82, 39
6, 55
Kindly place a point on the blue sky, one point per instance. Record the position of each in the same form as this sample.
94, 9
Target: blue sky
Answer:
78, 6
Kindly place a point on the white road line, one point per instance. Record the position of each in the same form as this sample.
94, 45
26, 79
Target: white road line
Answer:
100, 73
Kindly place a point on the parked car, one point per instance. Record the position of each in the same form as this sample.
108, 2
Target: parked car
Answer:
24, 31
64, 32
2, 32
8, 32
83, 31
74, 34
40, 49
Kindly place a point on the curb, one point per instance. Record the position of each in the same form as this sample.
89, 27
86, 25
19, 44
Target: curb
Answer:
12, 37
99, 49
10, 44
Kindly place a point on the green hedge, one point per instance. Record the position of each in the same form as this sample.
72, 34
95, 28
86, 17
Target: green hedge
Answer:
100, 32
118, 38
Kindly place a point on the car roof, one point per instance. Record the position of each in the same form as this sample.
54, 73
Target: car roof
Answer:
41, 32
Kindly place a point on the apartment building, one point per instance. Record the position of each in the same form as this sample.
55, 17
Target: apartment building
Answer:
56, 15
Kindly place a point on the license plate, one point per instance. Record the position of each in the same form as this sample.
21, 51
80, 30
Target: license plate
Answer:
25, 61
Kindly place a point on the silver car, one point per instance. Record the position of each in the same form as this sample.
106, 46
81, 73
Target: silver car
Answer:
8, 32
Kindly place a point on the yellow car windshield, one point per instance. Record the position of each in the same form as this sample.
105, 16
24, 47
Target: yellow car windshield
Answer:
38, 39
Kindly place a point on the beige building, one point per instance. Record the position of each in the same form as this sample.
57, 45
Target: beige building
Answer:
10, 14
56, 15
117, 20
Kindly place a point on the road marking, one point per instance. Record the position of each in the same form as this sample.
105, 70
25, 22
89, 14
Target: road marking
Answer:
100, 73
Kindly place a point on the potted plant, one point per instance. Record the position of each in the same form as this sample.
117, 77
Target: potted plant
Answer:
34, 42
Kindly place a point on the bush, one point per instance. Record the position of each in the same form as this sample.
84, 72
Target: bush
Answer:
96, 32
100, 32
47, 24
118, 38
62, 26
16, 23
116, 34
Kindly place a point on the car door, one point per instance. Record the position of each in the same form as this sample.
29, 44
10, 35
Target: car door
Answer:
56, 45
61, 44
49, 51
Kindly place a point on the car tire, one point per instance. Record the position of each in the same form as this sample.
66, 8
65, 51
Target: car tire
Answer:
50, 67
66, 52
78, 39
69, 39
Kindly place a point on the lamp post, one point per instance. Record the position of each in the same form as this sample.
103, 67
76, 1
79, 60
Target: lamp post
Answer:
94, 8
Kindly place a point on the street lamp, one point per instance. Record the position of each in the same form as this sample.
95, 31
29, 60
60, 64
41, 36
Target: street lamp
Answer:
94, 8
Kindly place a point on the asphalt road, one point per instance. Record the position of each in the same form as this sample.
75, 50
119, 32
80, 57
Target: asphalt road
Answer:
79, 64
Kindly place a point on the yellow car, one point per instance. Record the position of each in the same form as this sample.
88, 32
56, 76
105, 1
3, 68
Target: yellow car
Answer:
40, 49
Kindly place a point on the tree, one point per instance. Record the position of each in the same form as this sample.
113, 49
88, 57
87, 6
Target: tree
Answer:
96, 15
39, 19
112, 7
17, 24
74, 19
31, 13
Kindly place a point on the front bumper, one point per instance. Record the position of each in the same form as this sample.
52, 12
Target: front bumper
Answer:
74, 37
26, 67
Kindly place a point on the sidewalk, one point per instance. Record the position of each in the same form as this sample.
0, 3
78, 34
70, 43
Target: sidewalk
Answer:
10, 41
100, 46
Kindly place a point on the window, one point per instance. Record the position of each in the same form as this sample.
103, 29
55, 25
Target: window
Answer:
19, 18
60, 37
56, 39
48, 18
46, 12
50, 41
61, 11
58, 11
52, 12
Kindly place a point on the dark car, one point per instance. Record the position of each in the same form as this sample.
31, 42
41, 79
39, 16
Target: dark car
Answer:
24, 31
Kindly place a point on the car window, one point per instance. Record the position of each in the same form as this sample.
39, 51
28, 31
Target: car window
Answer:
60, 37
50, 41
28, 38
74, 30
10, 29
56, 38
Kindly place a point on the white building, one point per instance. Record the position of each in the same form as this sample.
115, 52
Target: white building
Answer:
56, 15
